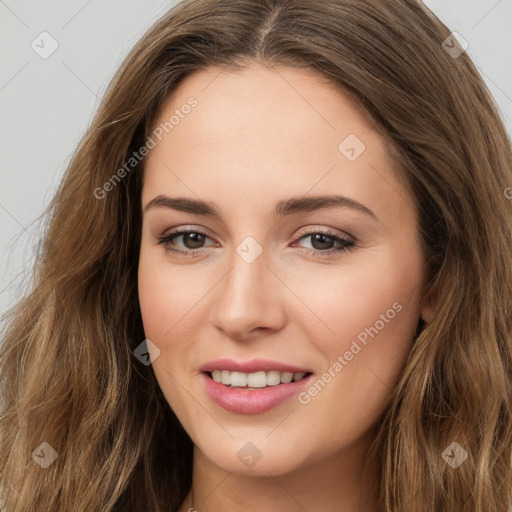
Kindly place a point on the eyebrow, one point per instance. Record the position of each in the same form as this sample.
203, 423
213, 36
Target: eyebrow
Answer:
282, 208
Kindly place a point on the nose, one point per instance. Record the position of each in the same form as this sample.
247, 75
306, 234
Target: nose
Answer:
249, 299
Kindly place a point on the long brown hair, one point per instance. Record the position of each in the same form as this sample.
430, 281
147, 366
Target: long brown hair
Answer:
68, 374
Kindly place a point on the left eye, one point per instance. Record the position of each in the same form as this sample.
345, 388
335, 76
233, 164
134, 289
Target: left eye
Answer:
323, 242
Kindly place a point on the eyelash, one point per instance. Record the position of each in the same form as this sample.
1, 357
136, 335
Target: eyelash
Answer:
166, 242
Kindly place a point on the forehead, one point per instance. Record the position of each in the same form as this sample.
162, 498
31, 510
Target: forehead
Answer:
271, 131
261, 99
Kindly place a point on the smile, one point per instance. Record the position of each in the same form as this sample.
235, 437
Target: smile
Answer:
252, 387
256, 380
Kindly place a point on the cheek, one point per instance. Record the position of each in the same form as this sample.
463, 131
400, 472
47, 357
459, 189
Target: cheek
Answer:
154, 299
171, 300
167, 314
368, 311
364, 323
165, 293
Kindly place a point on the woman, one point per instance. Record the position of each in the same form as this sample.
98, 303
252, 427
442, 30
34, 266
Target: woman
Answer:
189, 343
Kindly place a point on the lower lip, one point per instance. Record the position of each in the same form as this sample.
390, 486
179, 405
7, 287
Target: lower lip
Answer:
247, 401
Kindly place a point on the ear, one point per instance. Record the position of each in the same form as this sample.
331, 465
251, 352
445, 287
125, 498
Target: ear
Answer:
430, 300
427, 311
427, 306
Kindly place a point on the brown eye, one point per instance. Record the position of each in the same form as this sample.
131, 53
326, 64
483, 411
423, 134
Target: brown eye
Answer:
321, 241
324, 243
191, 241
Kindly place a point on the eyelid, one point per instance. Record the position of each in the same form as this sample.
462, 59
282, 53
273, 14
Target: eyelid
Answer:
325, 230
187, 229
177, 232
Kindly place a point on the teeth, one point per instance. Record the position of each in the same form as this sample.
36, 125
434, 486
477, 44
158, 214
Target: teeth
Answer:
255, 380
273, 378
286, 377
225, 377
238, 379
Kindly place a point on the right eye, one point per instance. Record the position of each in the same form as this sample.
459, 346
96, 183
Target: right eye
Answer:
192, 241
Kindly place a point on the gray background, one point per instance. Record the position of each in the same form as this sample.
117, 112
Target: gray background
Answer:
46, 104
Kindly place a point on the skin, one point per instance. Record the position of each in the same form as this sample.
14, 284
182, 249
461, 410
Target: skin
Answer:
258, 136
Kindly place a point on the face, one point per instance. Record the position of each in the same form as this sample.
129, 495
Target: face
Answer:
266, 277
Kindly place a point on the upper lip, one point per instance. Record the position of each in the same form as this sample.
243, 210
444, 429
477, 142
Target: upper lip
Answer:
253, 366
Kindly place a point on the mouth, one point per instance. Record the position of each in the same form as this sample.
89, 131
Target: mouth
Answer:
252, 393
255, 380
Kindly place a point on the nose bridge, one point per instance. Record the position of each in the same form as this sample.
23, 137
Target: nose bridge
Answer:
244, 284
246, 297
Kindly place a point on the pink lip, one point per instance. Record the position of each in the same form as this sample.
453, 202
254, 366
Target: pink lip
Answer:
247, 401
253, 366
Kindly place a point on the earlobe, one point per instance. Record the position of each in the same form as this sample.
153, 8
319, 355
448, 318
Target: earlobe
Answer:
427, 311
428, 303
